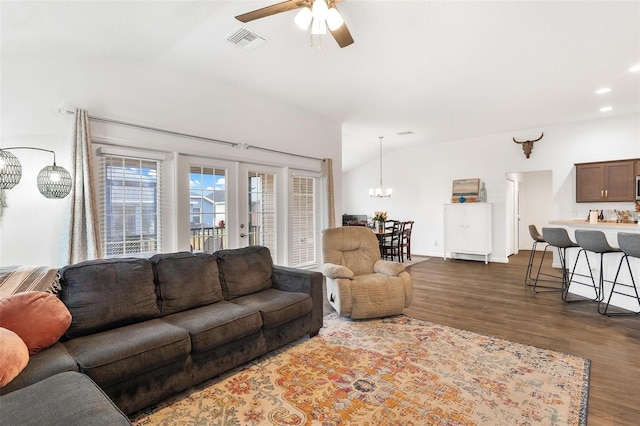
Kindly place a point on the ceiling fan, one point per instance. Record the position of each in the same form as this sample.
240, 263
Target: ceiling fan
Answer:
319, 14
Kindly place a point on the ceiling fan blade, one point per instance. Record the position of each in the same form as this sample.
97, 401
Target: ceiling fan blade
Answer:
342, 36
285, 6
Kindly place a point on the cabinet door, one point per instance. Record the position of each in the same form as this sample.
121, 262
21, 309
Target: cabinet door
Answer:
619, 181
589, 182
477, 223
454, 227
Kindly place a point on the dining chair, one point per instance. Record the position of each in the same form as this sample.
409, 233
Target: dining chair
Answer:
392, 241
405, 243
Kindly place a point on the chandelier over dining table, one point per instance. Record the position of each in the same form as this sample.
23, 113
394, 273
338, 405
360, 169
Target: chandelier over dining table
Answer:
379, 192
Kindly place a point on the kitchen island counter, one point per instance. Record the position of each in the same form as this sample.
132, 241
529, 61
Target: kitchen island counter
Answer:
602, 225
610, 261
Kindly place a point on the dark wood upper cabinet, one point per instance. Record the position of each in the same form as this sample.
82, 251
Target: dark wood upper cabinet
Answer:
606, 181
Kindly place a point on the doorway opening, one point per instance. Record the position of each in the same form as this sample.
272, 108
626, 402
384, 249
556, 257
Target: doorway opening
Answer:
529, 202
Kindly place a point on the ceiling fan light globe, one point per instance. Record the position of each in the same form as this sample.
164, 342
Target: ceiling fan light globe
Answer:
334, 19
303, 18
319, 10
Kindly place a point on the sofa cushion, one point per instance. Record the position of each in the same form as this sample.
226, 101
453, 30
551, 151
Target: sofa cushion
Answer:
114, 355
107, 293
69, 399
186, 281
214, 325
14, 355
244, 271
276, 306
47, 363
39, 318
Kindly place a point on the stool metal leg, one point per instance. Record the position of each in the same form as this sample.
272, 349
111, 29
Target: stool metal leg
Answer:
532, 281
573, 273
527, 277
615, 282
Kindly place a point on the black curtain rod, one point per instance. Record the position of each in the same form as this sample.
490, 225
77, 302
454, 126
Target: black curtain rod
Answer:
187, 135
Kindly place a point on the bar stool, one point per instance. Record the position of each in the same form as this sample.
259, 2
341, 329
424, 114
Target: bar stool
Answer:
630, 245
596, 242
528, 279
559, 238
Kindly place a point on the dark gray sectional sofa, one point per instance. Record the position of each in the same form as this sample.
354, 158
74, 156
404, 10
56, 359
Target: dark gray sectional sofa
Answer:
145, 329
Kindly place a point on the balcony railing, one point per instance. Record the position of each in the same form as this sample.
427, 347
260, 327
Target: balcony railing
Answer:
208, 239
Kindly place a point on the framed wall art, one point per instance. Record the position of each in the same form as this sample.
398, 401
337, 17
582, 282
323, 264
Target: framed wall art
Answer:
465, 190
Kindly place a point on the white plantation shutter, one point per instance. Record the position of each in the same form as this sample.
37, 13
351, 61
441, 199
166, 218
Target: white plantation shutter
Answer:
304, 219
130, 205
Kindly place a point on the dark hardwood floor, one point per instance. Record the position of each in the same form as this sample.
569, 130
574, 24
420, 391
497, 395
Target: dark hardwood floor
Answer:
492, 299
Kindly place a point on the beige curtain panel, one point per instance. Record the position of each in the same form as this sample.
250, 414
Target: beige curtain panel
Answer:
83, 222
329, 202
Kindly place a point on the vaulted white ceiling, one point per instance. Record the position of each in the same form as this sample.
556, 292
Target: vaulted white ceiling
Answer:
444, 70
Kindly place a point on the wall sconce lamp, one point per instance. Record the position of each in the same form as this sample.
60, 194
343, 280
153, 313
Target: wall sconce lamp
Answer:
53, 181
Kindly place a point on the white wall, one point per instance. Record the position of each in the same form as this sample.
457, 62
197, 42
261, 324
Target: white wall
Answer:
421, 176
31, 228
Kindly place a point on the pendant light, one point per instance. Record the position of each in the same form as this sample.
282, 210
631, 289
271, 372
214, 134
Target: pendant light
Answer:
53, 181
378, 192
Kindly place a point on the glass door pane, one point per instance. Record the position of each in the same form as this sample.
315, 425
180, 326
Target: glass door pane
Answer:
262, 211
207, 208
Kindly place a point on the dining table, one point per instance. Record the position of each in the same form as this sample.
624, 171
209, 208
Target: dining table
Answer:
381, 235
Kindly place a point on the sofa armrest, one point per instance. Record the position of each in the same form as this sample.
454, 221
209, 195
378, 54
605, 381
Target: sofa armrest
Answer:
387, 267
303, 281
331, 270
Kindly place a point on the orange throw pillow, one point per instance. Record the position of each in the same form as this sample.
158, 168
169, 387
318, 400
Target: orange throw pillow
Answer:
14, 355
39, 318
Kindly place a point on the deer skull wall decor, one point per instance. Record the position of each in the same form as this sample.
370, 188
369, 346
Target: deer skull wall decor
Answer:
527, 146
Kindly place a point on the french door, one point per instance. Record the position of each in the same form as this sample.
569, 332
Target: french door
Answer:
232, 205
260, 208
211, 204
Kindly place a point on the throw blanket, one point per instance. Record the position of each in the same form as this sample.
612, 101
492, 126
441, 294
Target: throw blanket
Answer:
16, 279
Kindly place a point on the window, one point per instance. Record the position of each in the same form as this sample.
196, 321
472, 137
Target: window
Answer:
130, 219
195, 218
304, 220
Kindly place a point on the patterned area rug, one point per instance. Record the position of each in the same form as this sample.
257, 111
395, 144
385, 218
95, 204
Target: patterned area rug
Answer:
391, 371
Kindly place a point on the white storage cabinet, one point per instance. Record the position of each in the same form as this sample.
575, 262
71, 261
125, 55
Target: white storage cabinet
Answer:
467, 229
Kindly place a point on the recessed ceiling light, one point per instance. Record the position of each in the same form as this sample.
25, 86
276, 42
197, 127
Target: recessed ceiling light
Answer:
606, 108
635, 68
603, 90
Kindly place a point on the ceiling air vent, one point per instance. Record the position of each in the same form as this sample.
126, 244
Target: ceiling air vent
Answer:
246, 39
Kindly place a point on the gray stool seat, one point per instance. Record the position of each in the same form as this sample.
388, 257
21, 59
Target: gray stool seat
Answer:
529, 280
559, 238
596, 242
630, 245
